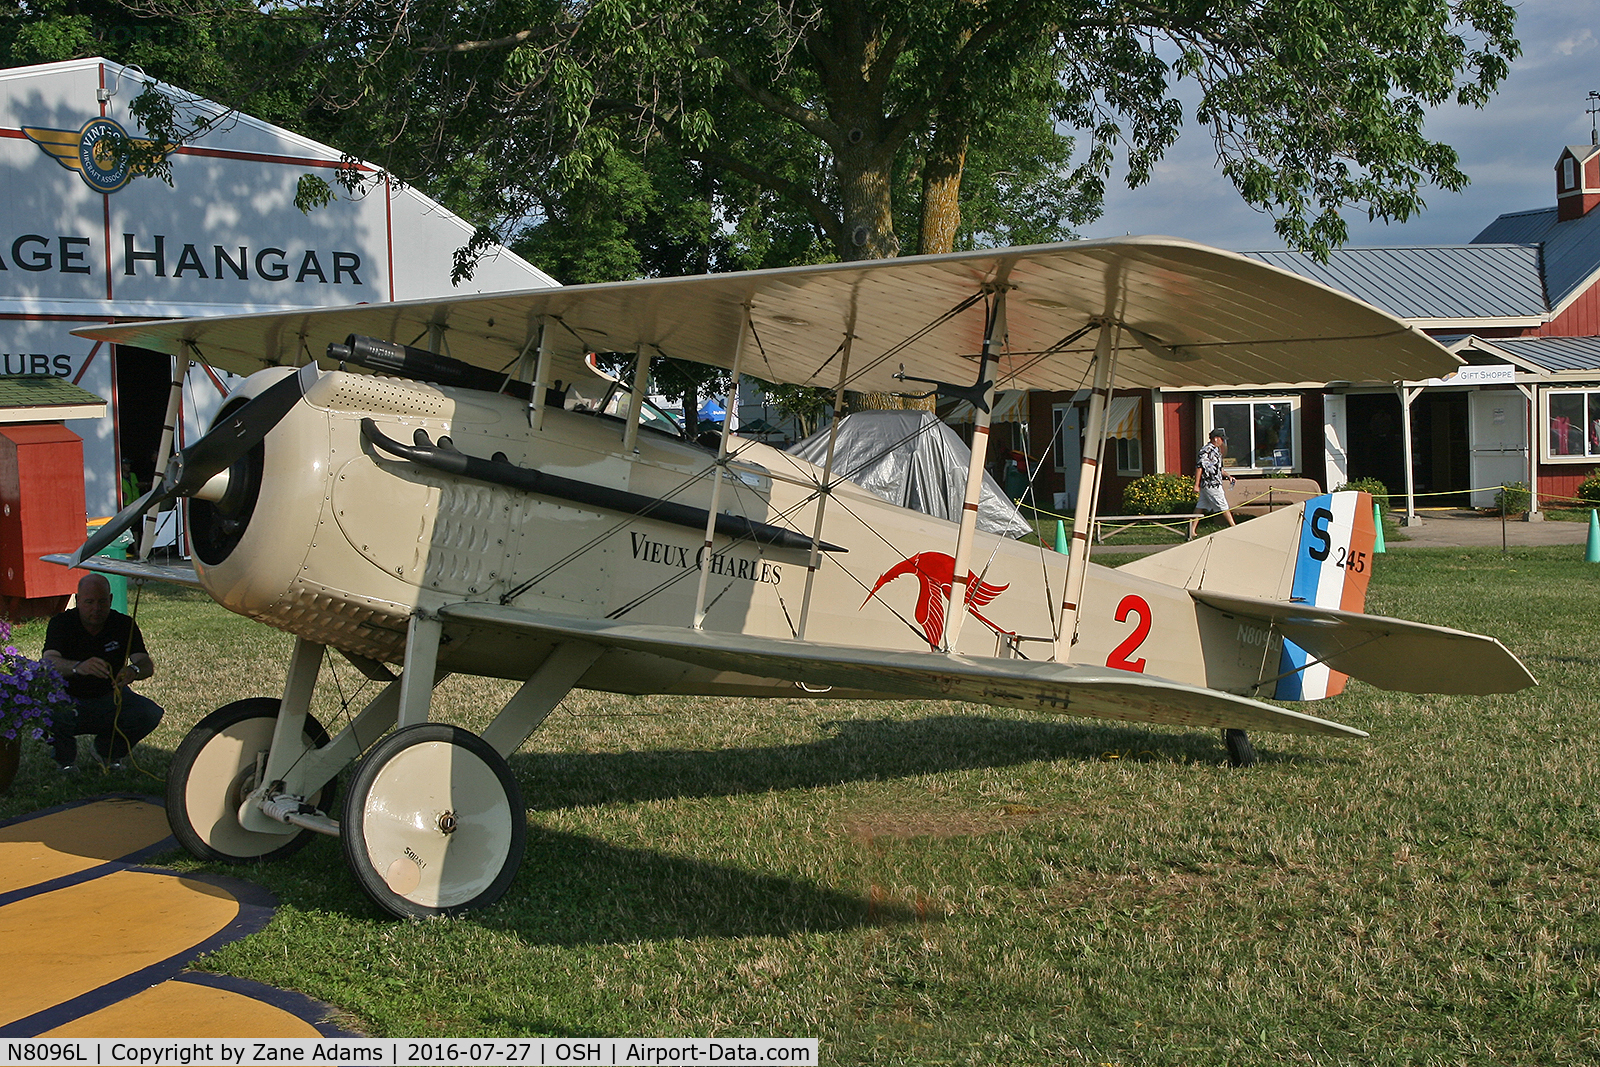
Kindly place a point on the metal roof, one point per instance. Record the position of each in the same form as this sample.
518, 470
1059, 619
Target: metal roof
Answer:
1475, 281
1554, 354
1571, 248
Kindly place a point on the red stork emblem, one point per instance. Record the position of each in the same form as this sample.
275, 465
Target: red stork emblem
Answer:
935, 573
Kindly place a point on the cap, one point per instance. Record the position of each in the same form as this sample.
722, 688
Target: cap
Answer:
1218, 431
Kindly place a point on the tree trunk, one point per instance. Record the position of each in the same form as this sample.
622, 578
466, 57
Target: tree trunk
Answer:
941, 189
866, 200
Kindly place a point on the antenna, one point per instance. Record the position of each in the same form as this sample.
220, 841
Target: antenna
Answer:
1594, 106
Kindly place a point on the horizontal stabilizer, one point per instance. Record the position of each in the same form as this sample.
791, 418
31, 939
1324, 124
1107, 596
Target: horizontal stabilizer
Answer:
1408, 657
1095, 692
179, 574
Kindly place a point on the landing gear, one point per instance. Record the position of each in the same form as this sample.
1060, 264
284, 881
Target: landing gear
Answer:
433, 822
1241, 753
215, 768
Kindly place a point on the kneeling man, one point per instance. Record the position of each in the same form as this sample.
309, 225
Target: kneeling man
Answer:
99, 652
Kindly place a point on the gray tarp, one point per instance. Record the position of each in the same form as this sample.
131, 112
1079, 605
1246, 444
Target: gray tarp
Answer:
912, 459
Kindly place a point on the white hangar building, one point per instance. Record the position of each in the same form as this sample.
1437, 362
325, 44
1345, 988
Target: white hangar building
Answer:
82, 242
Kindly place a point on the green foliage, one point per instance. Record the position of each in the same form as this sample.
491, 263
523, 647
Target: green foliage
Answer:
803, 403
1513, 499
1372, 487
313, 191
1159, 494
830, 125
1589, 488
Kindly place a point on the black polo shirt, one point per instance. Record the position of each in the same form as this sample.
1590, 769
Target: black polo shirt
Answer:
117, 640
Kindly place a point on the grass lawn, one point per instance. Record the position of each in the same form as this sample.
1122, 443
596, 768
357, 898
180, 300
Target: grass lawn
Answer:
923, 882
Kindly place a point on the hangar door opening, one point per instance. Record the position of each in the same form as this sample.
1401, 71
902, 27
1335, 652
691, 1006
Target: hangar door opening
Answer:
143, 379
1441, 458
1372, 442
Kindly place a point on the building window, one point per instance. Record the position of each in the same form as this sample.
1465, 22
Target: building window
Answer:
1064, 433
1569, 173
1130, 458
1572, 425
1125, 427
1261, 431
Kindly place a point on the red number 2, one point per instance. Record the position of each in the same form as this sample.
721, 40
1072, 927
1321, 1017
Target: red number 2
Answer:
1131, 605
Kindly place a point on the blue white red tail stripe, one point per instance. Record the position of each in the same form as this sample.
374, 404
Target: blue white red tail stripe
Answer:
1333, 565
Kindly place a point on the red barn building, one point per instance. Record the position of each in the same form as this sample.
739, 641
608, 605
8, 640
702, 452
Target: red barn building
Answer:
1518, 305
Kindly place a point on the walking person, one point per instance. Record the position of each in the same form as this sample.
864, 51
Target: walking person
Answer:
1208, 475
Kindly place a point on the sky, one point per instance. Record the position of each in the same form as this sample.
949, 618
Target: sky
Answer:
1508, 148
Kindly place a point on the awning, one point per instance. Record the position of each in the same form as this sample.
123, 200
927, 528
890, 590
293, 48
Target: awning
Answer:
1122, 418
1010, 405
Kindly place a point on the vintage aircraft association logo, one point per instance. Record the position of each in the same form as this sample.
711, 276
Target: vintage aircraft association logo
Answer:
98, 152
935, 573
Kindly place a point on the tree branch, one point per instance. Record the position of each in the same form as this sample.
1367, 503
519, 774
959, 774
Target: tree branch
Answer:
514, 40
808, 119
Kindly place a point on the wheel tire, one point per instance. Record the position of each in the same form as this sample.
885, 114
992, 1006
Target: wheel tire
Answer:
433, 822
1241, 753
214, 769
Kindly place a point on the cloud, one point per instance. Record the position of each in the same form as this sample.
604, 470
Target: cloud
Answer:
1576, 44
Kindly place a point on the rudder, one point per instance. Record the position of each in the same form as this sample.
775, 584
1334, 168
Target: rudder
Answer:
1332, 568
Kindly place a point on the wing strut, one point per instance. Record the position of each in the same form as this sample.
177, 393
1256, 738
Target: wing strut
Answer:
826, 488
641, 386
1105, 370
730, 410
537, 398
994, 336
180, 368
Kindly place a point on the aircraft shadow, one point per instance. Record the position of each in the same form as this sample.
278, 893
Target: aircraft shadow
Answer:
856, 750
578, 890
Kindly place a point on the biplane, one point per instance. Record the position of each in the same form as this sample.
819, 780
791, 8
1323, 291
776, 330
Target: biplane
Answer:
413, 486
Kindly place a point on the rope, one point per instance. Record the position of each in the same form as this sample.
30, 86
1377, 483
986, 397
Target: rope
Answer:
116, 692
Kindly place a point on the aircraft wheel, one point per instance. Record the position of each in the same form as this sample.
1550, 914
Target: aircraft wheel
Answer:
433, 822
212, 772
1241, 753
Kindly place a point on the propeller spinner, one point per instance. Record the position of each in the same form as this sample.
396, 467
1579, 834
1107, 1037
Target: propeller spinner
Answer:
227, 442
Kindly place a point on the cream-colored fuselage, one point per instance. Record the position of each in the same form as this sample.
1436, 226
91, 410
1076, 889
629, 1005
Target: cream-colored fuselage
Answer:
345, 543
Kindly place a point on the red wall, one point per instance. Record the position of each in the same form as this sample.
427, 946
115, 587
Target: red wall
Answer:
1580, 319
41, 507
1561, 480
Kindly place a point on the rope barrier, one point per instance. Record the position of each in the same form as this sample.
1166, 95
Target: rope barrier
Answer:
1544, 498
1174, 520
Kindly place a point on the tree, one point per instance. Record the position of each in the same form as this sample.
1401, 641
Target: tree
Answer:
839, 107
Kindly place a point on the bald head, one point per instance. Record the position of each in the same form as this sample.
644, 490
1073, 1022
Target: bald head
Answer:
94, 602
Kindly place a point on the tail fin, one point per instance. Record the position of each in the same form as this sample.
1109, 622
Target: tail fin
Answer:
1332, 566
1318, 552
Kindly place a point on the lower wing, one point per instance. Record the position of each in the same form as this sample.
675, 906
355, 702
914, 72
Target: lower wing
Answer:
1095, 692
177, 574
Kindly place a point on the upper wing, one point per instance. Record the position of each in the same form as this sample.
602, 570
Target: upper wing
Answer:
1410, 657
1095, 692
1194, 316
182, 574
